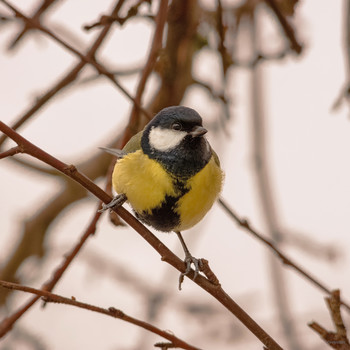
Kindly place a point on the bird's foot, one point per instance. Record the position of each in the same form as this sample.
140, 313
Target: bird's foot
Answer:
117, 201
189, 260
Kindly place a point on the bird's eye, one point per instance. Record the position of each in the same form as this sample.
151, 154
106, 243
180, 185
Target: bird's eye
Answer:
176, 126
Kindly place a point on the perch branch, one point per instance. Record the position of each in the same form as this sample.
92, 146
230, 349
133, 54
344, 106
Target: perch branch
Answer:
285, 260
111, 311
166, 255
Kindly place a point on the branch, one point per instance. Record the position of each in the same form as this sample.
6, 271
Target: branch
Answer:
37, 226
285, 260
11, 152
84, 58
7, 323
286, 26
338, 339
264, 187
111, 311
166, 255
133, 11
89, 58
45, 5
134, 124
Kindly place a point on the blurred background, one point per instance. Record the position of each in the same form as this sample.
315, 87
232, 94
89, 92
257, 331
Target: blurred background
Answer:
271, 81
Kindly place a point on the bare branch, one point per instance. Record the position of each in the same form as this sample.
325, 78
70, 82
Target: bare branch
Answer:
45, 5
88, 58
337, 339
134, 125
11, 152
288, 29
285, 260
111, 311
7, 323
166, 255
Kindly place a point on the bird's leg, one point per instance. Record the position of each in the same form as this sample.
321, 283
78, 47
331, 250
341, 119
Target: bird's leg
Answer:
117, 201
189, 259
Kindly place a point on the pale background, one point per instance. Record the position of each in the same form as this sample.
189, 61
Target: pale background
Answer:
309, 157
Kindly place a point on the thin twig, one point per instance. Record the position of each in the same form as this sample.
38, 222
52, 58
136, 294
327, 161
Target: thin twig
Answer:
338, 339
67, 79
133, 125
7, 323
84, 58
89, 58
133, 11
166, 255
111, 311
11, 152
285, 260
288, 29
264, 188
45, 5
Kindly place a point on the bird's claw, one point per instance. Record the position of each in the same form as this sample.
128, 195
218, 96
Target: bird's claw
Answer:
117, 201
189, 260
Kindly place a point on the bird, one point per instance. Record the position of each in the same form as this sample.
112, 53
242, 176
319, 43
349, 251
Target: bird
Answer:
169, 174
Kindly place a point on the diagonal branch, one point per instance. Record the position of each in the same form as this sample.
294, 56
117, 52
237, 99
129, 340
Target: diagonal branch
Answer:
111, 311
286, 26
88, 58
337, 339
8, 322
166, 255
285, 260
133, 125
11, 152
84, 58
45, 5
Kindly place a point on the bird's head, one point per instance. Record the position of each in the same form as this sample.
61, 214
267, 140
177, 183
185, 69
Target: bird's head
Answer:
172, 127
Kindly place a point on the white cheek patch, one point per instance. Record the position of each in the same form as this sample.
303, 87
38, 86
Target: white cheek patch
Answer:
165, 139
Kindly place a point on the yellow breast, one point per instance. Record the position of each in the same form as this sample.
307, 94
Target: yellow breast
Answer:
205, 187
146, 185
143, 180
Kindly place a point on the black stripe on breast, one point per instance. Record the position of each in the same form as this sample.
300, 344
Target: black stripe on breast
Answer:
165, 218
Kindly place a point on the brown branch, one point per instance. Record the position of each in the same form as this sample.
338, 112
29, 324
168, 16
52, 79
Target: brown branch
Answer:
337, 339
89, 58
134, 125
84, 58
111, 311
285, 260
37, 226
45, 5
226, 59
133, 11
11, 152
166, 255
286, 26
7, 323
345, 90
174, 82
264, 187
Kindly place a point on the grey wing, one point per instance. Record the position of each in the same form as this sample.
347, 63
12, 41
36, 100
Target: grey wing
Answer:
114, 151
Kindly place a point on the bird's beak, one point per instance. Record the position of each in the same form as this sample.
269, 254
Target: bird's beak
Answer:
198, 131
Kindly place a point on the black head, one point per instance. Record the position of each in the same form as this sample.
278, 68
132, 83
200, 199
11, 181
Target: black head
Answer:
177, 118
174, 137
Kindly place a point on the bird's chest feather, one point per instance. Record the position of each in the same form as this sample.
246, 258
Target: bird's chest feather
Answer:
143, 180
161, 201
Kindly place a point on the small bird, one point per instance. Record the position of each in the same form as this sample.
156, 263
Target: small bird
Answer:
168, 173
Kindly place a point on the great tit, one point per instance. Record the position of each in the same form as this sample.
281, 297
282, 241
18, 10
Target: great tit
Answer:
168, 173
